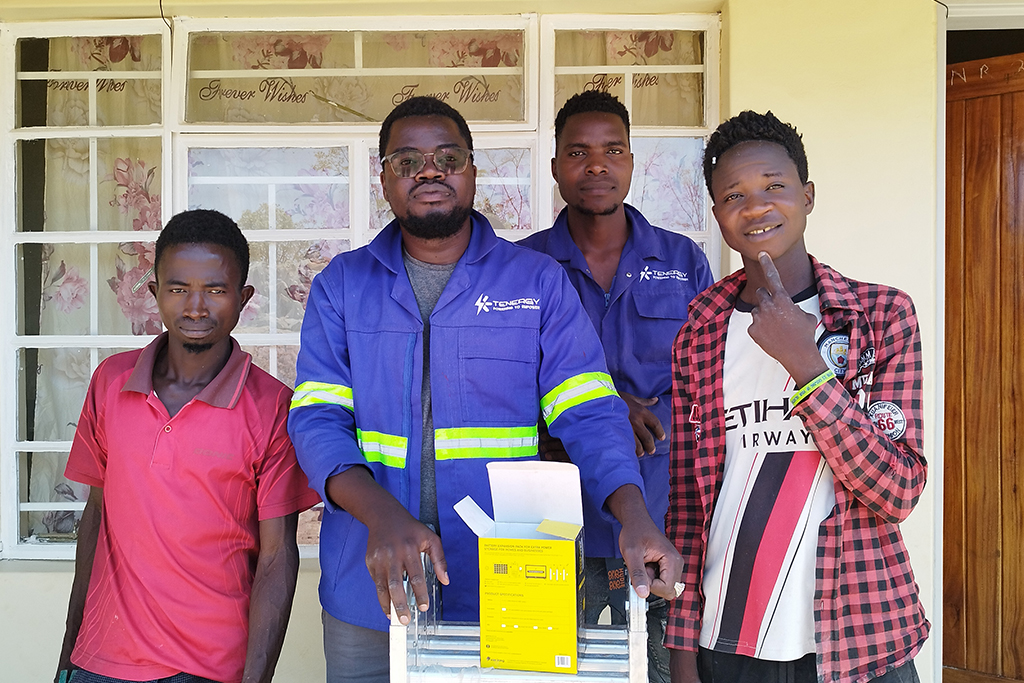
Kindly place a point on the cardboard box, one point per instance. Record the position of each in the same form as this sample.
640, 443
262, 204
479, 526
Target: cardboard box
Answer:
531, 566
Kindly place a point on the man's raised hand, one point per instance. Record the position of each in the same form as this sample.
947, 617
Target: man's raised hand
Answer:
783, 329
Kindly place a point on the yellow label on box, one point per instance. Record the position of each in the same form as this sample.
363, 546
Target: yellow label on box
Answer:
529, 607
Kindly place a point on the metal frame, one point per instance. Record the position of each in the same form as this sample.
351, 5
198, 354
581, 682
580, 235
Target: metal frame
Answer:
431, 651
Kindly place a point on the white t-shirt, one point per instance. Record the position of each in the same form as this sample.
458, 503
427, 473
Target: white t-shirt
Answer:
776, 490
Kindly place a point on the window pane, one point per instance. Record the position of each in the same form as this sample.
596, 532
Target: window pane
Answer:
668, 182
308, 188
259, 51
603, 48
126, 306
129, 180
54, 282
52, 384
42, 485
489, 49
124, 102
126, 84
352, 76
503, 187
297, 264
62, 203
670, 93
56, 185
668, 100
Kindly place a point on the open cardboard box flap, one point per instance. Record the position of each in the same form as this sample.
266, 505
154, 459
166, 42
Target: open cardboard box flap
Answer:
531, 499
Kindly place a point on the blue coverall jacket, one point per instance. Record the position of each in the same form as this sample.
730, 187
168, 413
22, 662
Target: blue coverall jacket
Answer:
510, 342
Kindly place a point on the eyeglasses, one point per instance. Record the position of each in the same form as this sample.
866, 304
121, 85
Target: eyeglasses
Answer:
407, 163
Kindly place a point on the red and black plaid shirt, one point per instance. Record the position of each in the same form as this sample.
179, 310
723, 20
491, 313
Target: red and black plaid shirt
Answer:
867, 615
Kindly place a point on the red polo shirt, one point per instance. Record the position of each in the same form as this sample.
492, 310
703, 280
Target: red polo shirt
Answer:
182, 500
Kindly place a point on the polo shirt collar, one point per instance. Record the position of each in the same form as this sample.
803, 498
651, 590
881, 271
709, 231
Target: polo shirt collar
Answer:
222, 392
642, 239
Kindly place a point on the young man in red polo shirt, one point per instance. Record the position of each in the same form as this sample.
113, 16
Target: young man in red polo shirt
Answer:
187, 560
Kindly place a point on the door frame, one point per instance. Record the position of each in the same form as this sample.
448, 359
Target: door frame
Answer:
959, 16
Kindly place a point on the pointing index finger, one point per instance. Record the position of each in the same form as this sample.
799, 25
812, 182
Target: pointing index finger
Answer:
771, 273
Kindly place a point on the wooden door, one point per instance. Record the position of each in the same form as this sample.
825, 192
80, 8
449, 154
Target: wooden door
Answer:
983, 576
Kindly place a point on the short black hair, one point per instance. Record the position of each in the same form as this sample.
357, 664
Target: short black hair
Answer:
749, 126
204, 226
586, 101
422, 106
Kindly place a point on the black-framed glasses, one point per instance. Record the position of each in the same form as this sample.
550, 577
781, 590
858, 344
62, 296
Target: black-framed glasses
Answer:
448, 160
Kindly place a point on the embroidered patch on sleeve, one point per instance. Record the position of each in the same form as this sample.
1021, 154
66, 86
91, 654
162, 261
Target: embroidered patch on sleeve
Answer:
888, 417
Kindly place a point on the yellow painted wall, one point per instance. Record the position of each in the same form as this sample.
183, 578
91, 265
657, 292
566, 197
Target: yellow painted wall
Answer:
860, 82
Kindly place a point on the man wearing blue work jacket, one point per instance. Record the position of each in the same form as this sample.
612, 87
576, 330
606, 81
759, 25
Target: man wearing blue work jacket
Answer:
425, 355
636, 282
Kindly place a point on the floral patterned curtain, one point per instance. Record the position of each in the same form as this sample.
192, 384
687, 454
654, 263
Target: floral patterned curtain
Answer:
126, 196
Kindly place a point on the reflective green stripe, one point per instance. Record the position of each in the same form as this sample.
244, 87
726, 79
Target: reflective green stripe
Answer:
574, 391
485, 442
387, 449
315, 393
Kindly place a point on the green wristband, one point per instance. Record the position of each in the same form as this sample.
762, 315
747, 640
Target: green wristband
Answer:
805, 391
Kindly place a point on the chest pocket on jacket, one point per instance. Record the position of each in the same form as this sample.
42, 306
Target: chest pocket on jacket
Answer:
498, 368
662, 314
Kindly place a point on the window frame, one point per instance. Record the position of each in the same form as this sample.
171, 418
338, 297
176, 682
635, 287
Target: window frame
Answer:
10, 443
185, 27
710, 24
177, 136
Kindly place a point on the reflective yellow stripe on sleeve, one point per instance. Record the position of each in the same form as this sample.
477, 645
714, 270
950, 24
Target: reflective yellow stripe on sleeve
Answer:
317, 393
491, 443
574, 391
387, 449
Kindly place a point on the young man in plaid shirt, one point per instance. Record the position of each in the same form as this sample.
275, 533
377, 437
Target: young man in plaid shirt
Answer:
796, 445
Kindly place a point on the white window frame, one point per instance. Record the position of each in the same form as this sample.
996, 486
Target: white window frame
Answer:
10, 444
535, 132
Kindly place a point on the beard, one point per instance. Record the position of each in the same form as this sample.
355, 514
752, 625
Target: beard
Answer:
438, 224
196, 348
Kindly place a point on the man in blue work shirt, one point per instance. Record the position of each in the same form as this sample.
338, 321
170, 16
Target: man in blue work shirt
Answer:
635, 282
425, 355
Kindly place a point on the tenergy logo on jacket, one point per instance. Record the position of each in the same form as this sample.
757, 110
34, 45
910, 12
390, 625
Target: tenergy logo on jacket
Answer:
648, 274
484, 304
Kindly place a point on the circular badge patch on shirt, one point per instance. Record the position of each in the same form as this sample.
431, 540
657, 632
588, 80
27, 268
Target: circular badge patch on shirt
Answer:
835, 350
888, 417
